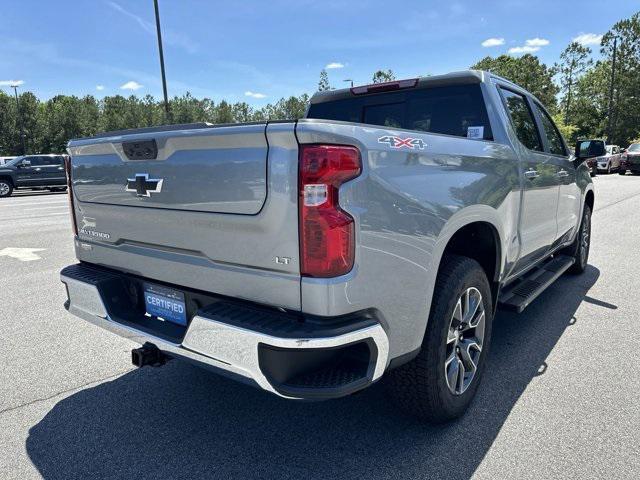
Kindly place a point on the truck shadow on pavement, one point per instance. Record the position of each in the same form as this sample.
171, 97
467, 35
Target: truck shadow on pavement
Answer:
179, 421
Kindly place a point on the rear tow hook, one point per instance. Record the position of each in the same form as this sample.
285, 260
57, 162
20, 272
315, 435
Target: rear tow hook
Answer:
148, 354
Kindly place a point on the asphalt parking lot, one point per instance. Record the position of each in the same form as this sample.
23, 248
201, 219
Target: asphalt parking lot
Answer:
561, 397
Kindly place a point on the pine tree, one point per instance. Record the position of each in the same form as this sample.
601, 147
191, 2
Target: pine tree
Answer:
323, 84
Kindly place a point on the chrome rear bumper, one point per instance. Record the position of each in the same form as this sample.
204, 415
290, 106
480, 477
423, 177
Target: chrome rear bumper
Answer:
242, 348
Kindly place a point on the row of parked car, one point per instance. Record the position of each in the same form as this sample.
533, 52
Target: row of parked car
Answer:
617, 160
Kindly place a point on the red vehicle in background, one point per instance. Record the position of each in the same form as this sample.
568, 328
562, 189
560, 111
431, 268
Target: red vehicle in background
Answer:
631, 160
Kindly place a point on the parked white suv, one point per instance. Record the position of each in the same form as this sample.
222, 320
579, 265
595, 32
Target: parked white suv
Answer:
611, 160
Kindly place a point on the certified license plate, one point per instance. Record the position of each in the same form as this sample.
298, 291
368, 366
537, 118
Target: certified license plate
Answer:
165, 303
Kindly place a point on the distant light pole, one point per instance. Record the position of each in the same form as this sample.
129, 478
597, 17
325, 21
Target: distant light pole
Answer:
15, 91
164, 79
349, 80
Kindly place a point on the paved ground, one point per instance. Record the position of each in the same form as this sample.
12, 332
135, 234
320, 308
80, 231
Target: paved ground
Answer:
561, 398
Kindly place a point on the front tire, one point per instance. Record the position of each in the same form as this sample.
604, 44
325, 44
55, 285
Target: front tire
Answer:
439, 384
6, 188
622, 172
579, 250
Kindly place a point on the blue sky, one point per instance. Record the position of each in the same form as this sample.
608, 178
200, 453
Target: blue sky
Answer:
259, 51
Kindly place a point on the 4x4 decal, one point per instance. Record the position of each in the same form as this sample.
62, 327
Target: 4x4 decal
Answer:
398, 142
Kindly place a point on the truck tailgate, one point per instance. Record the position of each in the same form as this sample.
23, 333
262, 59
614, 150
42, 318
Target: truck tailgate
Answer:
215, 210
219, 170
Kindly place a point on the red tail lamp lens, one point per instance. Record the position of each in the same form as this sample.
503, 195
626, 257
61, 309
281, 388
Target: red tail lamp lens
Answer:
327, 233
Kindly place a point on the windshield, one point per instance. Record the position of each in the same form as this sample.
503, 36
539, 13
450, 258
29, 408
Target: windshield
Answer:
609, 149
634, 147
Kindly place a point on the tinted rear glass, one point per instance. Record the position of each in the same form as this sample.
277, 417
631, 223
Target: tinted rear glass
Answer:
447, 110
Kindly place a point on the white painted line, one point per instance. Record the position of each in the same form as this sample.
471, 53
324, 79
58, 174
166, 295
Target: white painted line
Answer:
33, 203
22, 254
14, 218
46, 208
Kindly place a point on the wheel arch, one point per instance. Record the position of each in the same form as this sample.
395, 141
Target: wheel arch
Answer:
9, 178
479, 223
483, 226
589, 198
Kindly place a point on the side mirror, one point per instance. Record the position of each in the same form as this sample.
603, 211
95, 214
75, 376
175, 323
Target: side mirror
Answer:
589, 148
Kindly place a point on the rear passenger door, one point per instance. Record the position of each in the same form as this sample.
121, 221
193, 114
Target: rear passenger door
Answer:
569, 195
538, 226
52, 171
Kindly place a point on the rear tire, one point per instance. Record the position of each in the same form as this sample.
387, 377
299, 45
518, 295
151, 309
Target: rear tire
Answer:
622, 172
6, 188
433, 386
579, 250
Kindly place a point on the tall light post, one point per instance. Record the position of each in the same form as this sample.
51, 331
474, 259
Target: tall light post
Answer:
348, 80
164, 79
19, 115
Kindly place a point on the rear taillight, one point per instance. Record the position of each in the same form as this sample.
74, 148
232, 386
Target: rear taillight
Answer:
67, 169
327, 233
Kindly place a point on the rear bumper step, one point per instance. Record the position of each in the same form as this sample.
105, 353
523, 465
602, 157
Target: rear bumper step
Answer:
520, 294
278, 352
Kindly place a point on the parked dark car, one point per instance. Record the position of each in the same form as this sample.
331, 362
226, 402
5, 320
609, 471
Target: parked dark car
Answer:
34, 172
631, 160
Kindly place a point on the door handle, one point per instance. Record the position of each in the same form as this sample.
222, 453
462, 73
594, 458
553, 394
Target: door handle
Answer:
531, 174
563, 173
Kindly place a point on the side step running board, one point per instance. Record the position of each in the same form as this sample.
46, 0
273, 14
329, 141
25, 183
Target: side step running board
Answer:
518, 295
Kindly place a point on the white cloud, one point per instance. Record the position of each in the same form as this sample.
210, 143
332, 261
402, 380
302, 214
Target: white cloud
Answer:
333, 65
537, 42
10, 83
251, 94
131, 85
493, 42
525, 49
531, 45
100, 87
588, 39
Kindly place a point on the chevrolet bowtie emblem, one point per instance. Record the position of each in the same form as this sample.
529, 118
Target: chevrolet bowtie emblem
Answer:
143, 186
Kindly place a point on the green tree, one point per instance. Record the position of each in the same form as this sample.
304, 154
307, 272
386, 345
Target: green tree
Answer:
567, 130
323, 83
574, 61
29, 109
64, 117
382, 76
242, 112
224, 113
528, 72
626, 94
589, 111
8, 127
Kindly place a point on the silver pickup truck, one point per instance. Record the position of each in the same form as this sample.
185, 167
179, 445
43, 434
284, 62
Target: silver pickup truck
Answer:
375, 237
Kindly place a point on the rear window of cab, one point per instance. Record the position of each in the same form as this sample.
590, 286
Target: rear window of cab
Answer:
457, 110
